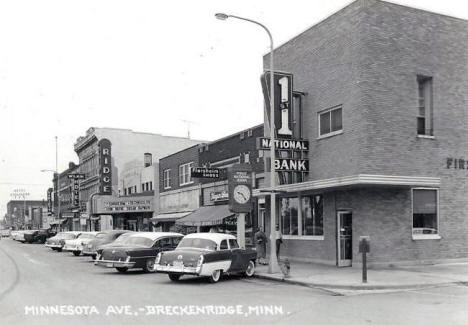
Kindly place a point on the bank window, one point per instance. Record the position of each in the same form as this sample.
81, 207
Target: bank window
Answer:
425, 109
184, 173
330, 122
312, 215
425, 212
289, 214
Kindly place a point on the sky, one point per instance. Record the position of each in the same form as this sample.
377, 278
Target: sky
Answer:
66, 66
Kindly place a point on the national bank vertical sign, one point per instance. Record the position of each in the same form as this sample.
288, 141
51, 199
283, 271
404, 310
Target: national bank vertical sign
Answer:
283, 86
290, 150
105, 165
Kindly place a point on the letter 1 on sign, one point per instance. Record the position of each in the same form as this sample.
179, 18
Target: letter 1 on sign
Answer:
284, 83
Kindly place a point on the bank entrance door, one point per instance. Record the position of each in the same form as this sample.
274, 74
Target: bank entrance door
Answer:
344, 238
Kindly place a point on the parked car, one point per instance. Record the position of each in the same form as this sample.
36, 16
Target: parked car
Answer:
17, 235
5, 233
119, 242
76, 245
207, 255
102, 238
20, 235
39, 236
58, 241
138, 251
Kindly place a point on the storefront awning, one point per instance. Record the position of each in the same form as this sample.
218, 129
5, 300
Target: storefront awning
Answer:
170, 216
206, 216
354, 181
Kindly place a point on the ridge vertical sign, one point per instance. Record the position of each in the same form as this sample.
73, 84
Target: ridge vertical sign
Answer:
105, 165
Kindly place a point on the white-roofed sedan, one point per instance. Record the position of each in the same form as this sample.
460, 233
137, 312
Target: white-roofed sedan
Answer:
208, 255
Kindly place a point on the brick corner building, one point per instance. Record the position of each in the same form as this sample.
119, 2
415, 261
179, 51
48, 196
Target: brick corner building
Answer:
385, 112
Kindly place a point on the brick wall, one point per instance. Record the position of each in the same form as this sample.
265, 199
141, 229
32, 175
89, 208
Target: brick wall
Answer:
173, 162
366, 58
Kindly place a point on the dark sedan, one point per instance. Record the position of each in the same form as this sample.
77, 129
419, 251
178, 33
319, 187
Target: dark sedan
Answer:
103, 238
138, 251
208, 255
38, 236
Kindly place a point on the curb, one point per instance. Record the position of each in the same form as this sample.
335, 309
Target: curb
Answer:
356, 287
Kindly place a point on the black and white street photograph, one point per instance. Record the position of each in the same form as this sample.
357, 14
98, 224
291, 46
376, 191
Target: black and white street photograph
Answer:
234, 162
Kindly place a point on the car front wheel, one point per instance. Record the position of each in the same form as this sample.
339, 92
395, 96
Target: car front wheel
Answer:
250, 269
149, 266
76, 253
174, 277
215, 276
122, 269
59, 249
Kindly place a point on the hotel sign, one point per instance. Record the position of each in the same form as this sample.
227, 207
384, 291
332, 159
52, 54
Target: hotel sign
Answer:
105, 165
49, 201
76, 188
283, 144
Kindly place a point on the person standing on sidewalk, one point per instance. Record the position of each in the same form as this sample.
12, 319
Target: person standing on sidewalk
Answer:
260, 245
279, 240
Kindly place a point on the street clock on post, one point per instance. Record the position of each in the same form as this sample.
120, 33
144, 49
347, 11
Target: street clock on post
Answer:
242, 194
240, 188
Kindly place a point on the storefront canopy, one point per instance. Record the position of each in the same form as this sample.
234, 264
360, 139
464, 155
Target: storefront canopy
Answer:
170, 216
206, 216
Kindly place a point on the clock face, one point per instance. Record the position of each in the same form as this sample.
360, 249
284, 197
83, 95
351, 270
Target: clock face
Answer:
241, 194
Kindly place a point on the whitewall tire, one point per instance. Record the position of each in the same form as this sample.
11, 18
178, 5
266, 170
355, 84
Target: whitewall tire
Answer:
250, 269
215, 276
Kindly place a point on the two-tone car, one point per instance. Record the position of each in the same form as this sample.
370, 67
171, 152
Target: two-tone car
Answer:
103, 238
76, 245
57, 242
138, 250
207, 255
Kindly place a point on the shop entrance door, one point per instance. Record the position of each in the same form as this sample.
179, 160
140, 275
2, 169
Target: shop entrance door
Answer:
344, 238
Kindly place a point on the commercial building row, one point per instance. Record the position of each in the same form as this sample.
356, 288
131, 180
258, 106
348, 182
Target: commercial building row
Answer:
377, 103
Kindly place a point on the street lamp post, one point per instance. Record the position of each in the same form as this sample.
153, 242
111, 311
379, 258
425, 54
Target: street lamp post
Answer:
57, 213
273, 266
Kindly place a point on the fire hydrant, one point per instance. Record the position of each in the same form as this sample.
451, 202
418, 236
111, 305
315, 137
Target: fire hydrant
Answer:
286, 268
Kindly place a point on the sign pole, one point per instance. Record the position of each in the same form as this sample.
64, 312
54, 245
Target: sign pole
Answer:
241, 229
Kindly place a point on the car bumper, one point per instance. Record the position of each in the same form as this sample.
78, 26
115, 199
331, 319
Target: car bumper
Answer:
53, 245
177, 269
108, 263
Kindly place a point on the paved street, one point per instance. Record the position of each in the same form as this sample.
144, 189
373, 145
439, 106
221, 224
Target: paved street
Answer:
32, 276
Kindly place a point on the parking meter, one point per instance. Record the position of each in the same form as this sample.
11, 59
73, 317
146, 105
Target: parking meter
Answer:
364, 248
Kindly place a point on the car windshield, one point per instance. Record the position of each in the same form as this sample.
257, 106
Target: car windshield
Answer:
197, 243
87, 236
139, 241
101, 235
66, 236
122, 238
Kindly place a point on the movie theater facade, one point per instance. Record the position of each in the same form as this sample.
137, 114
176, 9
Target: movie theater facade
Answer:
383, 95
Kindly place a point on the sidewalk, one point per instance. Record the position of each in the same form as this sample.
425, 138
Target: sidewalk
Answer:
350, 278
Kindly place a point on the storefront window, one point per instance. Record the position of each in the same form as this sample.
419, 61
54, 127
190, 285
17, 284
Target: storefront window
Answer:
312, 214
425, 212
288, 210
